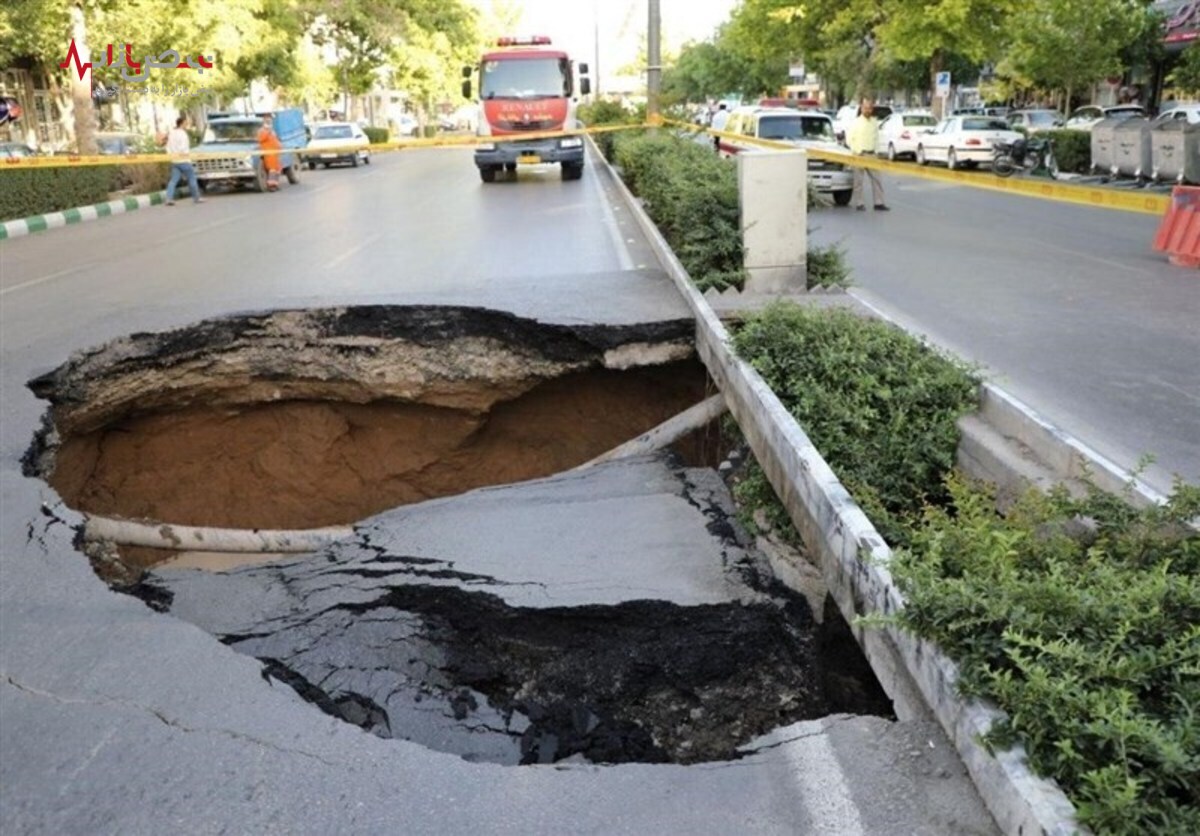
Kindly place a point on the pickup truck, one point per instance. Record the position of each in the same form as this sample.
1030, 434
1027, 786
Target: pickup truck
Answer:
235, 136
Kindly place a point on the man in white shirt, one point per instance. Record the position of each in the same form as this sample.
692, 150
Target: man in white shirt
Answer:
720, 118
178, 146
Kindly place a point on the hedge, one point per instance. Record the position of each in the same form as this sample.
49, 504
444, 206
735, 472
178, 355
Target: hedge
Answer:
1072, 150
39, 191
376, 136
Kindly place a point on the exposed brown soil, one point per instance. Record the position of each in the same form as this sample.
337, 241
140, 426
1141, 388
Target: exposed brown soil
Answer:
307, 463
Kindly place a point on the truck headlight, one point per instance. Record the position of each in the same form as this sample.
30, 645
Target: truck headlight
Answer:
572, 142
244, 162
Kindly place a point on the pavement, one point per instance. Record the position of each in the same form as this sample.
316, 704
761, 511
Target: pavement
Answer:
117, 717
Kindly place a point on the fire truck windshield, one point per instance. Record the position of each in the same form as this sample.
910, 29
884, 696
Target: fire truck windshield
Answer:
526, 78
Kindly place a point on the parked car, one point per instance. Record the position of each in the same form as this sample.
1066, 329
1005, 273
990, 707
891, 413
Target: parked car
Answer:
810, 129
964, 140
1188, 111
119, 143
900, 133
1033, 121
337, 142
407, 125
983, 110
1085, 118
12, 150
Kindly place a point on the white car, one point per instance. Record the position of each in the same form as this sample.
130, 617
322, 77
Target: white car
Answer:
900, 133
337, 142
1085, 118
964, 140
1190, 112
1035, 120
808, 129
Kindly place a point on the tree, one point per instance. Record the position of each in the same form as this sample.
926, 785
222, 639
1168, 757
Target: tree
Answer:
1069, 45
1186, 75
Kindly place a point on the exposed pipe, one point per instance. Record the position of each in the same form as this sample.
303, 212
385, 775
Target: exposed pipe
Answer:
667, 432
159, 535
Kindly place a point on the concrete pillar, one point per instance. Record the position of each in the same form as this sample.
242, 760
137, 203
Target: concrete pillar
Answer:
773, 190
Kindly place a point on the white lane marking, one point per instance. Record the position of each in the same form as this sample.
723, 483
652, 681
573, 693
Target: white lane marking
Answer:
370, 239
822, 785
196, 230
624, 259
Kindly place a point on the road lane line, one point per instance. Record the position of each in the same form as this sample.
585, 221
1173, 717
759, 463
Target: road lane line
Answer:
357, 248
196, 230
624, 259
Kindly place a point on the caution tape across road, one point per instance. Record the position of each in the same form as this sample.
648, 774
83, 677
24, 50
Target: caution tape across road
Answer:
1064, 192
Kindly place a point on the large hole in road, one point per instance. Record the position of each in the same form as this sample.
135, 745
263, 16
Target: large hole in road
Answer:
299, 419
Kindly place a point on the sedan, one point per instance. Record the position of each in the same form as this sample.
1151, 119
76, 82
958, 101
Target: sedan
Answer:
900, 133
338, 142
964, 140
1085, 118
1033, 121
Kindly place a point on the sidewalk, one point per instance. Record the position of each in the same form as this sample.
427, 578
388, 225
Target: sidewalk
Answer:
53, 220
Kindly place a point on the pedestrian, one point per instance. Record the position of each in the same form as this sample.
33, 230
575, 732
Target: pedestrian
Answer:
720, 118
178, 147
862, 138
269, 142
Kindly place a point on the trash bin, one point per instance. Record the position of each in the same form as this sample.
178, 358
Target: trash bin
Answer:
1102, 143
1175, 152
1131, 148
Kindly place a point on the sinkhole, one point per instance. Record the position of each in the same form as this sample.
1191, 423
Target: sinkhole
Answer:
571, 645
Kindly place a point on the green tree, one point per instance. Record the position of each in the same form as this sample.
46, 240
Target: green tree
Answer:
1068, 45
1186, 75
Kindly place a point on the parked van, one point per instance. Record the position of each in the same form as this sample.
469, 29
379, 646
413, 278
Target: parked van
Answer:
808, 129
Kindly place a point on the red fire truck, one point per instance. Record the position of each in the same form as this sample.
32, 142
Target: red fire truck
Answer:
526, 87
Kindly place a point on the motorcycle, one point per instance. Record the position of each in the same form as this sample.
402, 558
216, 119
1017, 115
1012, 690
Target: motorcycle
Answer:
1030, 156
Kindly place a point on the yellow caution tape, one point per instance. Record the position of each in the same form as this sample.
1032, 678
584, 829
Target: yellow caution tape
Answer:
1084, 195
1047, 189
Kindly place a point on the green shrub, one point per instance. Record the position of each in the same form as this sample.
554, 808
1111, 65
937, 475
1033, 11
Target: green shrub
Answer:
376, 136
602, 114
827, 267
1087, 634
879, 405
37, 191
692, 196
1072, 150
143, 178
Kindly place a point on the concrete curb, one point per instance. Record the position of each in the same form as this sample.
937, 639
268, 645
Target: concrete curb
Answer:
40, 223
917, 676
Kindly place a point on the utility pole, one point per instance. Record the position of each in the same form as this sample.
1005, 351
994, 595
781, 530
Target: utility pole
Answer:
654, 70
596, 50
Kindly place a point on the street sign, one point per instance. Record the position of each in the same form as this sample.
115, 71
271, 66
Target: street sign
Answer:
942, 85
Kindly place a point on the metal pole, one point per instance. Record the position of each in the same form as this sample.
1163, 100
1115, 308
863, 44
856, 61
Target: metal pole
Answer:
596, 50
654, 55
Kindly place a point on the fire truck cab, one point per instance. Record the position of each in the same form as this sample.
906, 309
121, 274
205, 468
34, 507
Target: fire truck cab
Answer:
527, 88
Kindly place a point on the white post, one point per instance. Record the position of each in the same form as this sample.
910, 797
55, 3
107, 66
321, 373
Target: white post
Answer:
773, 191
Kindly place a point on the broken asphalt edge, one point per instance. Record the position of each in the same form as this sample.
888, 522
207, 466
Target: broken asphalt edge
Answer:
854, 558
53, 220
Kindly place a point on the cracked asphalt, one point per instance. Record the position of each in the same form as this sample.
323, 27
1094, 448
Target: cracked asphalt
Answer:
118, 717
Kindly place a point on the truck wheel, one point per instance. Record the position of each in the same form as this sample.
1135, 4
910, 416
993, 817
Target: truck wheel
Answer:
842, 198
260, 178
312, 166
293, 173
487, 174
572, 171
354, 160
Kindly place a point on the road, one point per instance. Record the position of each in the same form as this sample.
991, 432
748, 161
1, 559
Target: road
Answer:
117, 718
1066, 307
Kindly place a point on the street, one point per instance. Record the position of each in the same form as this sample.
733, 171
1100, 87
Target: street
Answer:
1066, 307
139, 715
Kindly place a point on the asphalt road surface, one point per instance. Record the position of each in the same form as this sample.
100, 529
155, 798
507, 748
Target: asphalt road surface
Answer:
117, 718
1067, 307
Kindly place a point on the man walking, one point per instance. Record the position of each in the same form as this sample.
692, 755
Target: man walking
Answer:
178, 147
719, 120
862, 138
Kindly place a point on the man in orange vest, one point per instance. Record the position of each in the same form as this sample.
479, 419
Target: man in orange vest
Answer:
269, 142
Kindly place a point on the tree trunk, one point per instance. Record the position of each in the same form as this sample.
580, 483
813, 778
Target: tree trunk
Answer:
81, 88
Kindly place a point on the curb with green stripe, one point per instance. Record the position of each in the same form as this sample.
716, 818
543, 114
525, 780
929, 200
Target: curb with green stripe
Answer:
53, 220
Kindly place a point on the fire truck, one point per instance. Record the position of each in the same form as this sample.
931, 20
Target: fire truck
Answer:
524, 88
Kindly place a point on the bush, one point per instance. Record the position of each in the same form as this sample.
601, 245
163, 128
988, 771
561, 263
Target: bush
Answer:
37, 191
1072, 150
1080, 618
603, 114
881, 406
377, 136
827, 267
692, 196
143, 178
